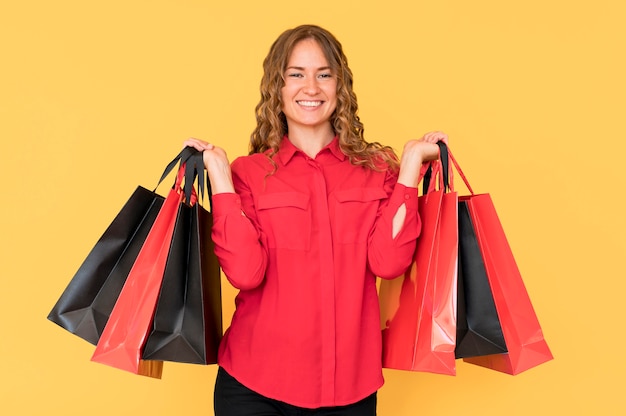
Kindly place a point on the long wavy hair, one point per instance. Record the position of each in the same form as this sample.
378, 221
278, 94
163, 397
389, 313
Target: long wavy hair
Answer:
272, 123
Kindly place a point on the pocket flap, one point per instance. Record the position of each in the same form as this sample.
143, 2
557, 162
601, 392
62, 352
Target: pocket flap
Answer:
360, 194
283, 199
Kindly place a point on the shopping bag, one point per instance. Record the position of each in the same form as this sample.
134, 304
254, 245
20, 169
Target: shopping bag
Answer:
418, 310
187, 325
525, 343
125, 332
85, 305
478, 327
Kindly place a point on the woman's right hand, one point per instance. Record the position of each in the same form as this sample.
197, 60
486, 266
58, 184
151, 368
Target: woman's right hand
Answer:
216, 163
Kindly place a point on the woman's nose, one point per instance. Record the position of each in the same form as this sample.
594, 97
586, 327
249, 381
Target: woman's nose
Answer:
311, 86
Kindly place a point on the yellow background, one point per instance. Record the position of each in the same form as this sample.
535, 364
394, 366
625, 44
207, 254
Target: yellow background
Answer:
96, 97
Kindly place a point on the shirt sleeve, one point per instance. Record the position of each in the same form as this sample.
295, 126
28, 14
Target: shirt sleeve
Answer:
389, 257
237, 241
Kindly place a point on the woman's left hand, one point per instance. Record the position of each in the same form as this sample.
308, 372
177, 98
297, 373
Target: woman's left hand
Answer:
415, 153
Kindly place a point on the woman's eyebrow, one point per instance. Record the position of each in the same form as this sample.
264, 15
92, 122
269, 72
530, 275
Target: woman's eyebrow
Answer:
300, 68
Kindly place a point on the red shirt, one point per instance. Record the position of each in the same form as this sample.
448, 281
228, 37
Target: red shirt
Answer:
304, 246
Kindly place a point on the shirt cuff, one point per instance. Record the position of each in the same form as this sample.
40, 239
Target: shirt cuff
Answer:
403, 194
225, 203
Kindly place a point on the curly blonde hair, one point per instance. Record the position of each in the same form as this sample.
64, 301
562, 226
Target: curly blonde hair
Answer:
272, 124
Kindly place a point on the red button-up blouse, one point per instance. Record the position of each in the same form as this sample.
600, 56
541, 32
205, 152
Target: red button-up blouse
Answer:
304, 246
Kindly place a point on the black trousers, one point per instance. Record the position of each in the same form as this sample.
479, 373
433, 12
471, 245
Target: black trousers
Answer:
234, 399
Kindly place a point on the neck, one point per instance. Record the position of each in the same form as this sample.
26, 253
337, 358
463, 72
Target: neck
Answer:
311, 140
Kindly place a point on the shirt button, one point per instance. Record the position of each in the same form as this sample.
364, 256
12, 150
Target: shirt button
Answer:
407, 196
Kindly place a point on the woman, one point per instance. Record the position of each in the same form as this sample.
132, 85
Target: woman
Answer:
302, 227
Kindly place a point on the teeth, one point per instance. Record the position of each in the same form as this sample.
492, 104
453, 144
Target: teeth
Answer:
310, 103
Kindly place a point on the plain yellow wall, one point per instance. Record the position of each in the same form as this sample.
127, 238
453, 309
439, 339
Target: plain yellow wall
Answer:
96, 97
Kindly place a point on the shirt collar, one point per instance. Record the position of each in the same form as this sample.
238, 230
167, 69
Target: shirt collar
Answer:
288, 150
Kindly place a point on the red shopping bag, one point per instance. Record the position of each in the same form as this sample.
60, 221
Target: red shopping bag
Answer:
524, 338
418, 310
124, 335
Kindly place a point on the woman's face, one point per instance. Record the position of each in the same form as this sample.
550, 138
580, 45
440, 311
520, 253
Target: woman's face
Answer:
310, 92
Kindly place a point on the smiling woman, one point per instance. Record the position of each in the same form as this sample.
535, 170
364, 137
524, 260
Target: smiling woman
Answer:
302, 227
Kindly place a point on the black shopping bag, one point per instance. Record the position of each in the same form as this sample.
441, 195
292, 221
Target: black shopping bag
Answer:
187, 325
85, 305
478, 327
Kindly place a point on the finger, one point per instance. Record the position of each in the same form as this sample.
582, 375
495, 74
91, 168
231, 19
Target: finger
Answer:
442, 137
431, 137
197, 144
198, 141
191, 143
437, 136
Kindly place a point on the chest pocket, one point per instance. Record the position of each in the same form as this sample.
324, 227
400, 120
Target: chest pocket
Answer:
355, 213
286, 219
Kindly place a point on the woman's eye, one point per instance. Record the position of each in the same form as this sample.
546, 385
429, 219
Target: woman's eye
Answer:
295, 75
326, 75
